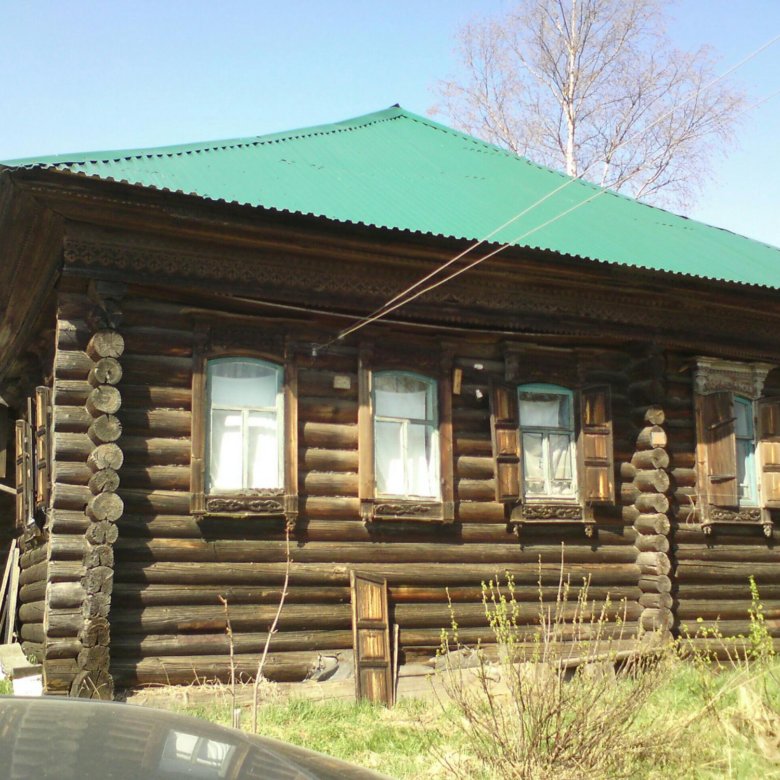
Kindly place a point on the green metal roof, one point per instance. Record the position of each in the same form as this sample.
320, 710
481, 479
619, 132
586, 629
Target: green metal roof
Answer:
394, 169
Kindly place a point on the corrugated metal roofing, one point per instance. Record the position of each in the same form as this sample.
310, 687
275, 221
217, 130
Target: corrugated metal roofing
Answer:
395, 169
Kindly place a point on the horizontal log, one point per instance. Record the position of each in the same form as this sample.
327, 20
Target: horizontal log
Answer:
175, 670
652, 481
684, 477
627, 472
654, 415
104, 481
652, 543
744, 554
474, 467
321, 383
321, 459
66, 595
328, 435
33, 556
228, 550
723, 628
103, 400
656, 600
656, 458
712, 609
64, 547
653, 563
33, 632
106, 344
106, 428
476, 489
327, 410
651, 437
105, 456
140, 369
652, 503
655, 583
188, 618
102, 532
62, 647
140, 646
136, 594
65, 622
434, 574
72, 364
318, 483
156, 501
32, 612
657, 619
106, 371
105, 506
652, 524
35, 591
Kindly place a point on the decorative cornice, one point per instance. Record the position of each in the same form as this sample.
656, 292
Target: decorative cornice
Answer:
550, 512
517, 300
713, 375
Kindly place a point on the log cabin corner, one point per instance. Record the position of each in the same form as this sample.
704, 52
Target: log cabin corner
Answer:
177, 399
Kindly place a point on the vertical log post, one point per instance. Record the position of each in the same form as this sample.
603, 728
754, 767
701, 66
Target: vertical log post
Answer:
105, 507
649, 488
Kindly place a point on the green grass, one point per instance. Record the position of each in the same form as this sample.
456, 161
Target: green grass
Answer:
395, 742
6, 688
724, 735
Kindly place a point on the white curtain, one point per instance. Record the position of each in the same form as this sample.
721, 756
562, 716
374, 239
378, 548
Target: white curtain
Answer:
541, 414
405, 456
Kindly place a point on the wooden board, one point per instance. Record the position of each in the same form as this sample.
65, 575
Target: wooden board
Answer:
12, 594
371, 638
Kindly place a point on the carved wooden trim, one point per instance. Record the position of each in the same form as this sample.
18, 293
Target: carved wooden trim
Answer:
713, 375
212, 340
514, 300
435, 361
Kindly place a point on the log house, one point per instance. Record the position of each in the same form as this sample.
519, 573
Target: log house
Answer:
178, 400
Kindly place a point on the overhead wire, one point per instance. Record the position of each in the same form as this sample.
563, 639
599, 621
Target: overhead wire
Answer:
396, 301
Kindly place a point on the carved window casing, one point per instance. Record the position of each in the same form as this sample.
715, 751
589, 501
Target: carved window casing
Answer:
244, 424
738, 443
552, 443
405, 426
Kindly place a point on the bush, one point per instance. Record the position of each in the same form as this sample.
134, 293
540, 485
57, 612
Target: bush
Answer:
560, 697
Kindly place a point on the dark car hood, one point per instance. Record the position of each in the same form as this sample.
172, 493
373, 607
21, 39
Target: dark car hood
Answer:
71, 739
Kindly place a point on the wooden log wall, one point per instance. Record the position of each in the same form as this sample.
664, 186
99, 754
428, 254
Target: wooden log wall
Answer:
131, 558
711, 571
169, 568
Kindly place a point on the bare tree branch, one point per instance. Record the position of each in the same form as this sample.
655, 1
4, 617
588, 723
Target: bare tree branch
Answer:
595, 88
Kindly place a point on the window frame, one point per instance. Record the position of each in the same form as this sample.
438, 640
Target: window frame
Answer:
540, 389
719, 386
245, 411
430, 423
432, 364
215, 342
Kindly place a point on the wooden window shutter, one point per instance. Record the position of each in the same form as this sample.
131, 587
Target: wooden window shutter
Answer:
446, 450
24, 476
505, 437
4, 440
718, 437
769, 451
595, 450
366, 478
42, 447
290, 440
197, 461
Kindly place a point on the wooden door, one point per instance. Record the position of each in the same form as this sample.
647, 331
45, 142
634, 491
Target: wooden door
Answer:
371, 638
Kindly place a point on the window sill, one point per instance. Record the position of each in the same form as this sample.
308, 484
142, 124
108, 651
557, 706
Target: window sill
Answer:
549, 512
394, 509
272, 503
748, 515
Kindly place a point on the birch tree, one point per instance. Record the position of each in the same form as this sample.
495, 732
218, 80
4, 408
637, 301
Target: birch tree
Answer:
595, 88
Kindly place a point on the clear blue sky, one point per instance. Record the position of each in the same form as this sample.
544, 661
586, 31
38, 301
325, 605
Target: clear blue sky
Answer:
86, 75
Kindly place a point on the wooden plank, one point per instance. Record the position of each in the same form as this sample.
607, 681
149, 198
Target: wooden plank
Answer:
4, 582
13, 592
371, 638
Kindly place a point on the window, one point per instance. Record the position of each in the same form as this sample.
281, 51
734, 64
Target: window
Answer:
547, 467
245, 423
547, 431
405, 435
747, 493
244, 426
738, 451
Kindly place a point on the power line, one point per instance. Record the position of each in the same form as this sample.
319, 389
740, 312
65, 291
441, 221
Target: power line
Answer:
396, 301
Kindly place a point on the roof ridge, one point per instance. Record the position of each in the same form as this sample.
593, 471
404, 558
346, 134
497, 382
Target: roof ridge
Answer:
177, 150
